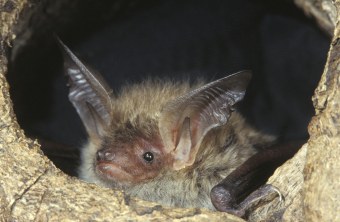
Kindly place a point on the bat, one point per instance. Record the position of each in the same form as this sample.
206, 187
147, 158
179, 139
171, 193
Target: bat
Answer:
174, 143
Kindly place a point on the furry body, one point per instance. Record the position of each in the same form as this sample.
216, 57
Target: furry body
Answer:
136, 113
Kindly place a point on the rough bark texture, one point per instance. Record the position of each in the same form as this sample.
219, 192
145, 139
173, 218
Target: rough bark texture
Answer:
322, 169
31, 188
324, 12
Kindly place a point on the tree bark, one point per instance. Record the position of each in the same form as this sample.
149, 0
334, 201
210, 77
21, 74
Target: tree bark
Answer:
323, 11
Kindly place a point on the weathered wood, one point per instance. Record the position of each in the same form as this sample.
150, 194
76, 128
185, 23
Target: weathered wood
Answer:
323, 11
322, 169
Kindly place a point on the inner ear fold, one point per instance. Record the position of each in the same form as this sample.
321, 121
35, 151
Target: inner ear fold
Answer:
89, 94
183, 149
205, 108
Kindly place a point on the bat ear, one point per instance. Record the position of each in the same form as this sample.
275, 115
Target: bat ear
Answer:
186, 120
88, 93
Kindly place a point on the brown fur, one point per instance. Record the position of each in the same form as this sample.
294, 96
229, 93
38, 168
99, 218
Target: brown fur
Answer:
136, 113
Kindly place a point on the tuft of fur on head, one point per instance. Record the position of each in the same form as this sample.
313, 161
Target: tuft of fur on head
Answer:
223, 149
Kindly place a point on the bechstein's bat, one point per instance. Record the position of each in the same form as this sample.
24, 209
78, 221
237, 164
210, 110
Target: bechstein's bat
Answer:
169, 142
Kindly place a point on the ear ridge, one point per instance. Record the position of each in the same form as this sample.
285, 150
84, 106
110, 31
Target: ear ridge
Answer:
89, 93
207, 107
182, 151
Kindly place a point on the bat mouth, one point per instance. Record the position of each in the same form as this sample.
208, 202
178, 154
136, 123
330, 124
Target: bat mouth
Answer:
110, 171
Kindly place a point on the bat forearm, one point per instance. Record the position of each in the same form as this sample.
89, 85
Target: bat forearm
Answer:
229, 193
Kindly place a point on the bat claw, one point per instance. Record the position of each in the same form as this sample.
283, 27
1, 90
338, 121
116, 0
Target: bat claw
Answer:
281, 197
261, 196
224, 200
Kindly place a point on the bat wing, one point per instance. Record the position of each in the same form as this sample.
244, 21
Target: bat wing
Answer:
241, 191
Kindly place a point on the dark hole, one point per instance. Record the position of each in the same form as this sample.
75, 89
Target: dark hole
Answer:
129, 40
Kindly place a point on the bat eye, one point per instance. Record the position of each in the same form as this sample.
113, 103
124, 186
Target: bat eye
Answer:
148, 156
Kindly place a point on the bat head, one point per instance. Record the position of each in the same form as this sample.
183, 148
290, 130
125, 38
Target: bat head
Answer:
127, 156
127, 153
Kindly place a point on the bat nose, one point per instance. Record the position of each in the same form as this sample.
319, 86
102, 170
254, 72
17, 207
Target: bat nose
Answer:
105, 155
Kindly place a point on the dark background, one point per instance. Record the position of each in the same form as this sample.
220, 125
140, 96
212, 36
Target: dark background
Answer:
176, 39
